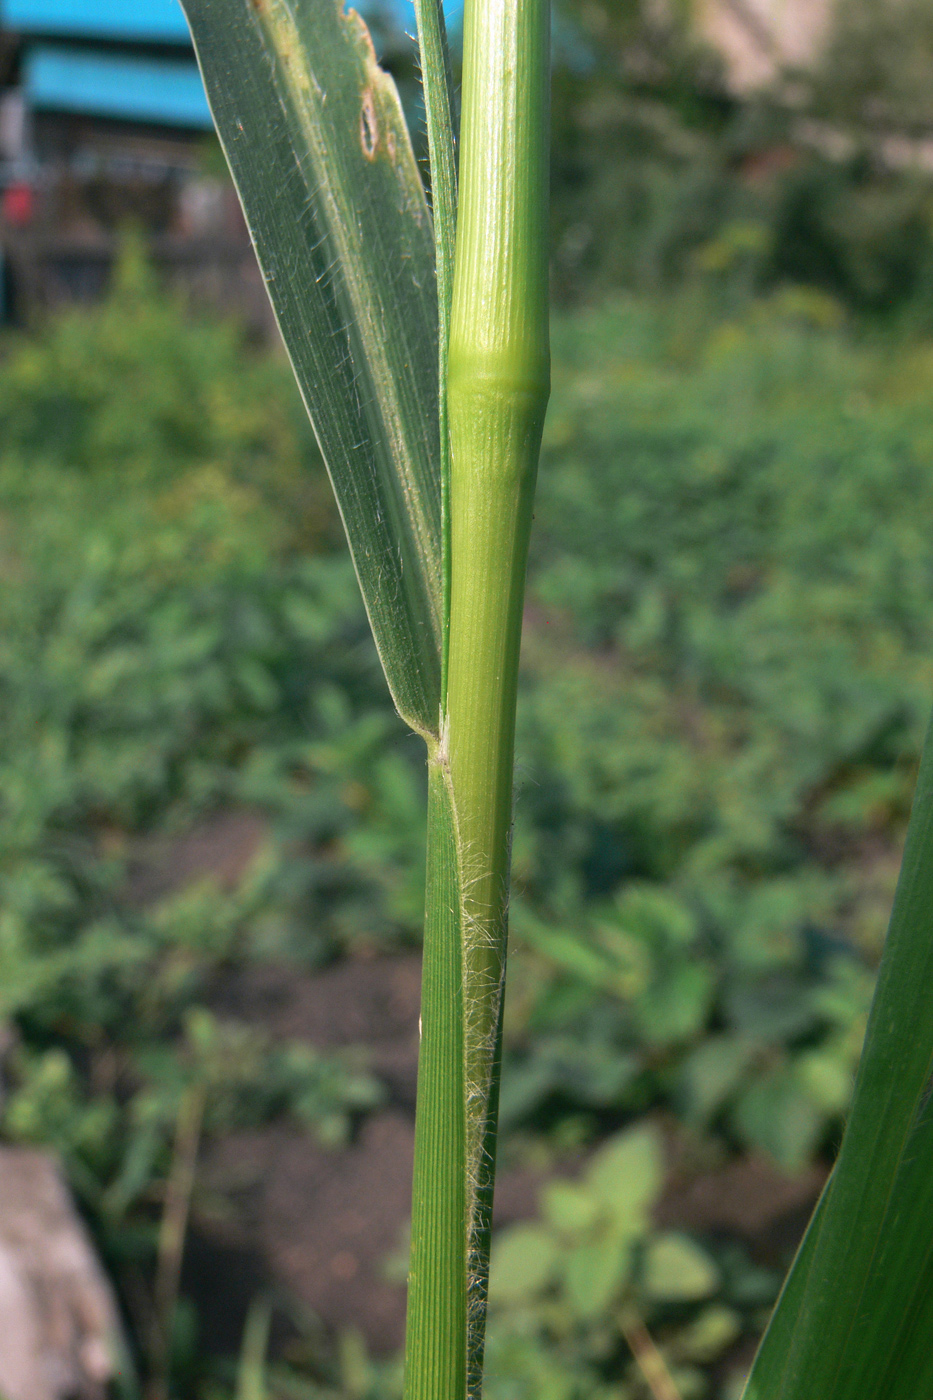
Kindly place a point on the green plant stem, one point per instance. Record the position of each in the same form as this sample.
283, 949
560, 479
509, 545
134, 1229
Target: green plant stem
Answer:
498, 385
497, 390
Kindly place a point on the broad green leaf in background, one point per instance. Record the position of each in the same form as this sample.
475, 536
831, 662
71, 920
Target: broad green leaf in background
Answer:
676, 1270
568, 1207
856, 1315
346, 248
593, 1272
625, 1176
524, 1260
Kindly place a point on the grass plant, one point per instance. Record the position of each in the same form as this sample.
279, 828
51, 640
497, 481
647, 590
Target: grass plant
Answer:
394, 357
426, 377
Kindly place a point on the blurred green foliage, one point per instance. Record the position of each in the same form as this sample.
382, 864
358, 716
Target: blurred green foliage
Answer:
175, 649
661, 176
571, 1292
727, 670
876, 68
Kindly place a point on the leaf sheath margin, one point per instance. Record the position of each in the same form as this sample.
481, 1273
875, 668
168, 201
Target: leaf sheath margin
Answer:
439, 106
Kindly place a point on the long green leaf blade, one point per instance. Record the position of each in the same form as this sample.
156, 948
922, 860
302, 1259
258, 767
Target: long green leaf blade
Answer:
317, 142
861, 1310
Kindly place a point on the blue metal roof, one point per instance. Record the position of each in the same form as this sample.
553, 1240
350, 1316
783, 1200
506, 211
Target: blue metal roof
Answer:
139, 21
162, 21
162, 91
401, 13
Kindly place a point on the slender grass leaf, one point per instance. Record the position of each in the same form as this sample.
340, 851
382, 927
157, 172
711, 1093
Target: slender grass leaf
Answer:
317, 142
856, 1316
439, 106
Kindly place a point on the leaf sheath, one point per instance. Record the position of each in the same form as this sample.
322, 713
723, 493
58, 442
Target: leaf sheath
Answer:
498, 384
436, 1333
